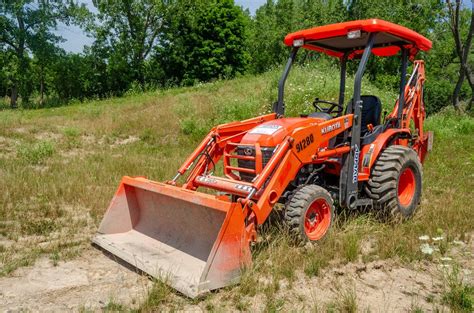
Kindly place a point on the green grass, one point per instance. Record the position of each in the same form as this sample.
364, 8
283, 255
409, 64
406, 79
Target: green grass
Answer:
459, 295
61, 166
35, 153
346, 301
157, 297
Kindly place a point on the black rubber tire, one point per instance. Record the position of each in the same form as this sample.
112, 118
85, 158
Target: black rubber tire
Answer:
296, 207
382, 186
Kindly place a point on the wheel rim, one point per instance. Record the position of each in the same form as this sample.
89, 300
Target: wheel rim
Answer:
406, 187
317, 219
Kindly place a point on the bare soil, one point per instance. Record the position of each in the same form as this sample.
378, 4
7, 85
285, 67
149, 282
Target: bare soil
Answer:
90, 282
94, 280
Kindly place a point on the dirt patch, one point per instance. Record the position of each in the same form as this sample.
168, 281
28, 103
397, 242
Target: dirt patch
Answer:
8, 147
377, 286
89, 139
48, 136
125, 141
20, 130
94, 280
118, 141
90, 282
75, 153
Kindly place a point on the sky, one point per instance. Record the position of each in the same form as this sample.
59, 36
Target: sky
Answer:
76, 38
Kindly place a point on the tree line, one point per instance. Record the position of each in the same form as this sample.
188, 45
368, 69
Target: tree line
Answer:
146, 44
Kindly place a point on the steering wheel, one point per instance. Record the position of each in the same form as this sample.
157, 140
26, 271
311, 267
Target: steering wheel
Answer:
333, 106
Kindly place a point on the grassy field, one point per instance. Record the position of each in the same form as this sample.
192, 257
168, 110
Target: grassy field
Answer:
60, 167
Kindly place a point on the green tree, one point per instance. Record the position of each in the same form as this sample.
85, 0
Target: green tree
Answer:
271, 23
275, 19
130, 29
208, 44
26, 28
45, 52
463, 49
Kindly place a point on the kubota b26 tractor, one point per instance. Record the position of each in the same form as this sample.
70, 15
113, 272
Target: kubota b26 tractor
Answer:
342, 153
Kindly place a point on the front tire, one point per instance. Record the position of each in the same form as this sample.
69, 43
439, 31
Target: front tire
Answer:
395, 182
309, 213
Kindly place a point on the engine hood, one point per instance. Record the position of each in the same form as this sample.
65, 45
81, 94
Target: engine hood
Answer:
272, 133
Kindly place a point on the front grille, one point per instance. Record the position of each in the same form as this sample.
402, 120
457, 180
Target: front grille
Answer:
267, 153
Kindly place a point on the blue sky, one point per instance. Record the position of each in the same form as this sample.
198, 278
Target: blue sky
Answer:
76, 39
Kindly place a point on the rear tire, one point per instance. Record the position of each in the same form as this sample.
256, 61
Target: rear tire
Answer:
395, 182
309, 213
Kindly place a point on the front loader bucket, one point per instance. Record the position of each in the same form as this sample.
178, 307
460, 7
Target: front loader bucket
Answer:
193, 241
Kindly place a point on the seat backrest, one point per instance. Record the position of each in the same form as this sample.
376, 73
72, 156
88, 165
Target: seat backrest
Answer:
371, 112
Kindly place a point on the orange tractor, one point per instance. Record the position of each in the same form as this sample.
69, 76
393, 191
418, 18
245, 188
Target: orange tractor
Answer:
198, 241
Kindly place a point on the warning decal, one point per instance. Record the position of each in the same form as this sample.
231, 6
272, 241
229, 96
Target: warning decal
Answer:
265, 129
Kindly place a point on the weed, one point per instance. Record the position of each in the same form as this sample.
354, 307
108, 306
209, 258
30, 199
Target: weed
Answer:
248, 283
55, 258
273, 305
71, 132
192, 127
147, 135
83, 309
459, 296
272, 287
24, 260
430, 298
38, 226
351, 247
37, 153
347, 301
241, 304
314, 263
416, 309
113, 306
210, 307
157, 296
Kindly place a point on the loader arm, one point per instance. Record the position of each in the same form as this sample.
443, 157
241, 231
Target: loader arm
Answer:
219, 135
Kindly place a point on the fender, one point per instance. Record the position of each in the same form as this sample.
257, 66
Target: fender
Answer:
370, 153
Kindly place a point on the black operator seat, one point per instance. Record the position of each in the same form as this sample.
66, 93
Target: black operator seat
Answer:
371, 112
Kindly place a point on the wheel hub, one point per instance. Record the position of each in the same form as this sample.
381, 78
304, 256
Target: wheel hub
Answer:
406, 186
317, 219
